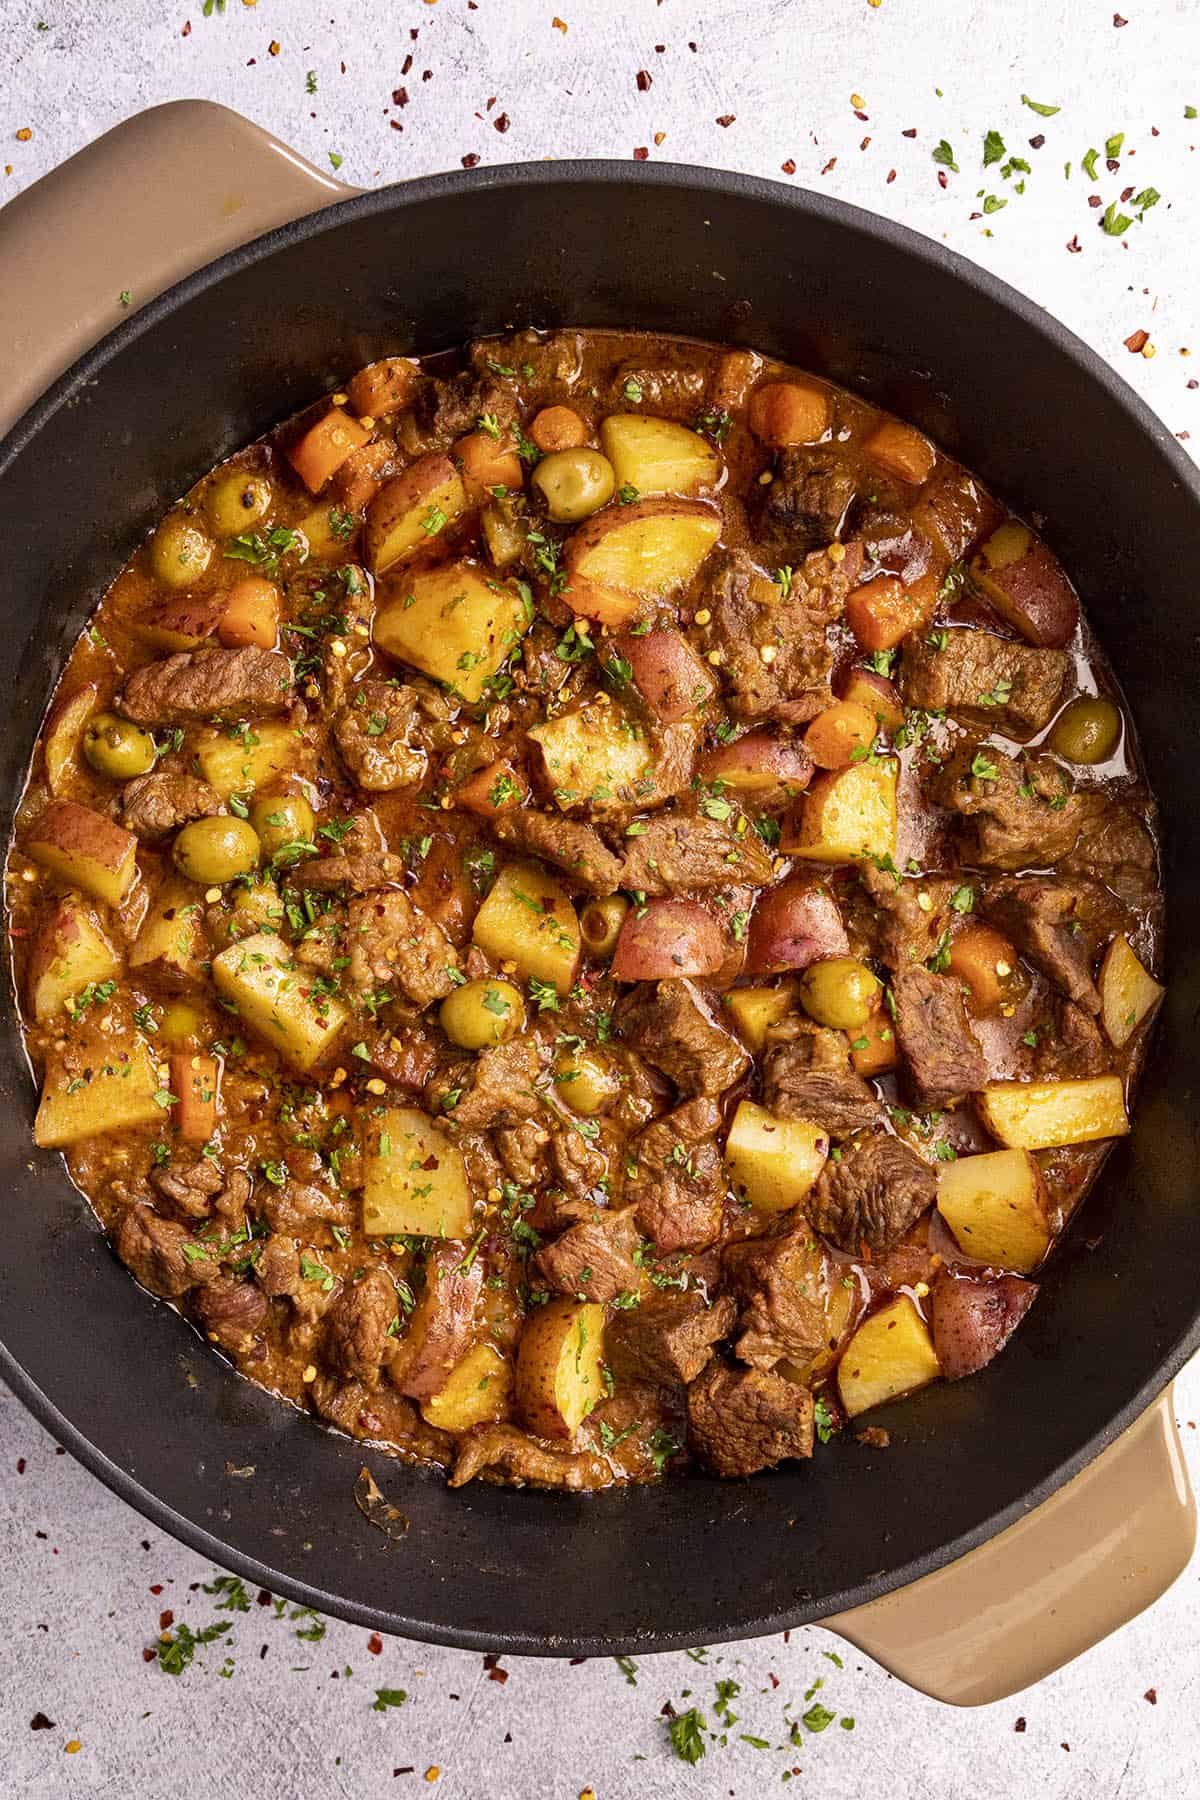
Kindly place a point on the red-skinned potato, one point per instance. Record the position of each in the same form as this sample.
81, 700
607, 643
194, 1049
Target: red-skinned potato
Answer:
411, 511
85, 849
1027, 586
793, 925
64, 729
667, 673
182, 622
758, 762
877, 694
669, 937
606, 605
68, 952
974, 1318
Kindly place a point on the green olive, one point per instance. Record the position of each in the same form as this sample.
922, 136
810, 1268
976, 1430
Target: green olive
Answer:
236, 501
281, 819
600, 924
574, 483
840, 991
182, 1024
586, 1080
1087, 731
179, 551
213, 851
118, 749
481, 1013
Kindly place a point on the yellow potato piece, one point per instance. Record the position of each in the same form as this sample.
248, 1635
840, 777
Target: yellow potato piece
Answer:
411, 511
61, 738
1041, 1115
595, 757
85, 850
172, 937
652, 548
274, 996
846, 816
656, 456
68, 953
559, 1366
995, 1206
237, 760
117, 1094
756, 1009
478, 1392
454, 622
528, 919
890, 1354
414, 1179
1128, 992
773, 1162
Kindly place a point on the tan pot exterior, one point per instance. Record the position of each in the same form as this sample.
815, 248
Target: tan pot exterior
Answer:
164, 194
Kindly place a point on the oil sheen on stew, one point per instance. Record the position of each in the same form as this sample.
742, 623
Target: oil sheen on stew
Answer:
589, 910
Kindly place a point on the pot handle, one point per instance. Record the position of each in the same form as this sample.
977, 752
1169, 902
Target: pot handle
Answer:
149, 202
1086, 1561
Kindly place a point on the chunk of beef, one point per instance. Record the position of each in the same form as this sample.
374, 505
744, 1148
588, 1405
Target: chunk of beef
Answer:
669, 1338
353, 874
668, 1024
442, 1328
676, 1178
1114, 846
376, 734
776, 1280
504, 1450
300, 1204
208, 684
804, 505
541, 670
230, 1312
1057, 924
1072, 1047
581, 1164
1022, 814
445, 410
670, 382
911, 914
1009, 687
743, 1420
164, 1256
278, 1267
405, 1055
807, 1075
594, 1259
522, 1151
935, 1037
393, 945
567, 843
750, 614
155, 805
494, 1089
549, 363
973, 1319
872, 1197
192, 1191
356, 1327
684, 854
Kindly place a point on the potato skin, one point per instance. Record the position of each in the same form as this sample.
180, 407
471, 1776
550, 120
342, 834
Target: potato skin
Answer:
973, 1320
558, 1366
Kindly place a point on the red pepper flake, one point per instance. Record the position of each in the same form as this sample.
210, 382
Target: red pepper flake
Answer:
891, 176
1151, 1694
1035, 143
1137, 341
1126, 194
497, 1674
641, 154
789, 167
501, 123
264, 1597
40, 1722
943, 181
408, 1768
470, 161
394, 123
187, 28
20, 1465
910, 133
1118, 21
166, 1620
426, 74
375, 1644
831, 164
974, 215
1020, 1724
660, 49
864, 143
1066, 1747
1074, 245
488, 104
645, 81
156, 1587
406, 65
400, 96
865, 117
149, 1655
1193, 383
773, 1679
576, 1662
1094, 200
725, 120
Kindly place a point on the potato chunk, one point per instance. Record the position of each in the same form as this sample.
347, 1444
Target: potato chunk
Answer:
414, 1178
656, 456
237, 759
846, 815
454, 622
755, 1009
559, 1360
68, 954
890, 1354
478, 1392
85, 850
995, 1205
274, 996
1042, 1115
651, 549
1026, 584
528, 919
62, 734
773, 1162
99, 1085
172, 944
1128, 992
408, 513
595, 757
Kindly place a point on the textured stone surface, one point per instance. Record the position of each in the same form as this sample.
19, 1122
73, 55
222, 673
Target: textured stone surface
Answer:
79, 1568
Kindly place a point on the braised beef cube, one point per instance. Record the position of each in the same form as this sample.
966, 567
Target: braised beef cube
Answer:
504, 1450
671, 383
522, 1150
358, 874
803, 507
191, 1192
1057, 924
669, 1338
743, 1420
550, 363
489, 1091
208, 684
1022, 814
807, 1075
1114, 846
935, 1038
572, 846
230, 1312
686, 854
750, 613
594, 1259
676, 1178
781, 1308
872, 1197
165, 1257
911, 914
376, 732
154, 806
394, 948
667, 1023
1070, 1045
1009, 687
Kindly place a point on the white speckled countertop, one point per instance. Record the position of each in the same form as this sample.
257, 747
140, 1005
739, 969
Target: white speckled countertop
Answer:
822, 94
